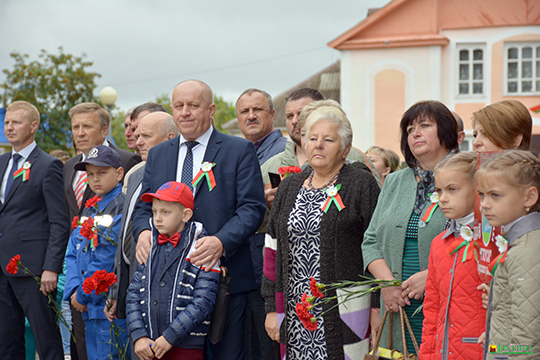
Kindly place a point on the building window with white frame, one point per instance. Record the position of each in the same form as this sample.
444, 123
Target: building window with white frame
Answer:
471, 69
522, 68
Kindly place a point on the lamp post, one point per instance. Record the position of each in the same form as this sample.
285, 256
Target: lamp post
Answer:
108, 97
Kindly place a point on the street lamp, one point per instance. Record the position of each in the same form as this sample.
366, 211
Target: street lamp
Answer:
108, 97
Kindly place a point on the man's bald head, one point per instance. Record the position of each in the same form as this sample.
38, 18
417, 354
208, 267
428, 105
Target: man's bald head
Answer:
192, 108
153, 129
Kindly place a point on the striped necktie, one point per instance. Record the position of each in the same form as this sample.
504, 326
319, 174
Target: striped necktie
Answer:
80, 187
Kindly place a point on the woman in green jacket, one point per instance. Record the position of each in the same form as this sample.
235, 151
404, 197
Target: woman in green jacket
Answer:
397, 242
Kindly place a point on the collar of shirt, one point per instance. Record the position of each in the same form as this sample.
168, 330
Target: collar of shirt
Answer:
25, 153
259, 142
455, 225
202, 140
198, 152
506, 228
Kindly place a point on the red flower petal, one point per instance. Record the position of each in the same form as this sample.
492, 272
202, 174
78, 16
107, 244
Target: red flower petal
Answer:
92, 202
75, 222
315, 289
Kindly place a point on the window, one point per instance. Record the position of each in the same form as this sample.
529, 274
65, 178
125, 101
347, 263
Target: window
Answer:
471, 70
522, 68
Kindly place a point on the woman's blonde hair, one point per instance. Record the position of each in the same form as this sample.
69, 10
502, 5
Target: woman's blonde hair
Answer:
503, 121
518, 168
464, 163
390, 158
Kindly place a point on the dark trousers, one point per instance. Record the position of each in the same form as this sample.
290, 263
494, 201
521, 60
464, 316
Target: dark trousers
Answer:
258, 343
231, 347
20, 297
78, 350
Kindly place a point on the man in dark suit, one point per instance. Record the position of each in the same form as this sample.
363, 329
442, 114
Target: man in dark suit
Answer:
231, 209
34, 225
152, 130
89, 125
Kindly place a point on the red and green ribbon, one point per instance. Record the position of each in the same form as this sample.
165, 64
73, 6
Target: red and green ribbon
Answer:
92, 243
469, 252
208, 174
535, 109
336, 199
430, 210
495, 263
24, 171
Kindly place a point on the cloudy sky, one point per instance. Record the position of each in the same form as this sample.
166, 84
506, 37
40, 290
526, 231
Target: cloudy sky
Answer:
143, 48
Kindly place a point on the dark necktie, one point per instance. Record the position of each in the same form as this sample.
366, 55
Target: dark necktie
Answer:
14, 167
187, 168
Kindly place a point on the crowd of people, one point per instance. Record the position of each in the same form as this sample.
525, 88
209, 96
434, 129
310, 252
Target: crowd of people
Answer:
214, 241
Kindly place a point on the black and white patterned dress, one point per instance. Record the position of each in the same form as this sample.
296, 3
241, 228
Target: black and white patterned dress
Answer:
303, 230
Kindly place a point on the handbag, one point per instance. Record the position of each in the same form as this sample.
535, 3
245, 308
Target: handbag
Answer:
219, 316
388, 354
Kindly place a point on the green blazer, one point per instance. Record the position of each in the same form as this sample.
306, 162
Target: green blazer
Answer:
385, 236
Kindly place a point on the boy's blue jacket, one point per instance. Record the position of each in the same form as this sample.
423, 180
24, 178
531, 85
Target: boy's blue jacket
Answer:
82, 263
188, 302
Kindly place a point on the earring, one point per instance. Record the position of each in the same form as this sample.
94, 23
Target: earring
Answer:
527, 208
480, 209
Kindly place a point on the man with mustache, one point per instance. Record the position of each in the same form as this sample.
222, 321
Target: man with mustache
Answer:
255, 113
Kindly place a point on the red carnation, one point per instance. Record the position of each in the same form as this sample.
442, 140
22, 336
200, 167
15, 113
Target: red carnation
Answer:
13, 265
302, 312
315, 289
100, 281
75, 222
86, 228
310, 324
92, 202
89, 284
288, 170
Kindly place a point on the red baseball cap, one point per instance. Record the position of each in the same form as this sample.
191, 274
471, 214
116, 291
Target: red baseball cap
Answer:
172, 191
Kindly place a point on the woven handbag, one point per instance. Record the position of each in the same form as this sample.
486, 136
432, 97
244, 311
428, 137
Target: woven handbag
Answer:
388, 354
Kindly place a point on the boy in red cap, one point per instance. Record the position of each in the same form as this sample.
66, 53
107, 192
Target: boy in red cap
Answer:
170, 300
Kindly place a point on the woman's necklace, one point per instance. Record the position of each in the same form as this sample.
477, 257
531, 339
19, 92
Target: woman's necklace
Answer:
310, 179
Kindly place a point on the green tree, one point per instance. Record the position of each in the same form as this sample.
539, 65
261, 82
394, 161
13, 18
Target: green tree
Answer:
224, 110
54, 83
117, 130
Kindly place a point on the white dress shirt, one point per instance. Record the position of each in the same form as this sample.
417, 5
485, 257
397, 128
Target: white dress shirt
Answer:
25, 153
198, 153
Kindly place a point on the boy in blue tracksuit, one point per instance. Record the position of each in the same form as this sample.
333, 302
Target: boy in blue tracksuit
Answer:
84, 257
170, 300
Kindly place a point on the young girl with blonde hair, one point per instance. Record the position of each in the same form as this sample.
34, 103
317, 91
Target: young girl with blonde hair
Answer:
508, 185
453, 314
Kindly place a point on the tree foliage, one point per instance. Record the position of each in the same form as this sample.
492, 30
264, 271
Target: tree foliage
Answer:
224, 110
54, 83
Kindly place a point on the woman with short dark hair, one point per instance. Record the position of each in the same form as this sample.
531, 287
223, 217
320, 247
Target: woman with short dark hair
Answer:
397, 243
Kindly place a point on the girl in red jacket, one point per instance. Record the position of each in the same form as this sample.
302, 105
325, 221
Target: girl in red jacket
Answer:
453, 313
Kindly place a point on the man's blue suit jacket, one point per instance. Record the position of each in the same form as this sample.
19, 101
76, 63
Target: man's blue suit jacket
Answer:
33, 218
232, 211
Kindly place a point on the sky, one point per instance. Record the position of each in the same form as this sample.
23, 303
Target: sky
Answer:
144, 48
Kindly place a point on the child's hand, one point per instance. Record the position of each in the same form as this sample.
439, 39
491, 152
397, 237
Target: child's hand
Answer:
110, 309
161, 347
485, 295
143, 348
482, 339
76, 304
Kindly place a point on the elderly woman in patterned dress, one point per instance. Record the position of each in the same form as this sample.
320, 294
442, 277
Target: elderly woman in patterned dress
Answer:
304, 240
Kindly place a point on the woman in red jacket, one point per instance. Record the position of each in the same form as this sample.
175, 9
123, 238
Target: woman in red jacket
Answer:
453, 313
